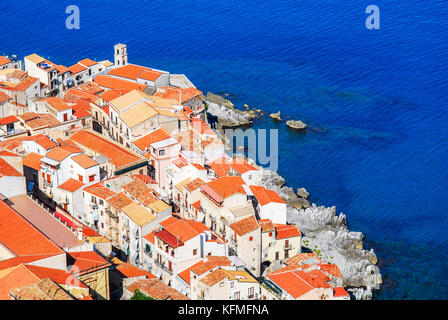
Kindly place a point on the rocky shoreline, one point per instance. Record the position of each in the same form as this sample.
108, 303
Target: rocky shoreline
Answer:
325, 232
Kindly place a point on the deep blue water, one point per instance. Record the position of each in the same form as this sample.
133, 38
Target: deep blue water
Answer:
380, 97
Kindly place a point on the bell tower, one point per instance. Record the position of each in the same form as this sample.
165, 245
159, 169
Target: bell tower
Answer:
120, 55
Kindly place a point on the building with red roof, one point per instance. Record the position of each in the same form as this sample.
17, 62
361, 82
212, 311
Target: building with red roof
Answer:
269, 204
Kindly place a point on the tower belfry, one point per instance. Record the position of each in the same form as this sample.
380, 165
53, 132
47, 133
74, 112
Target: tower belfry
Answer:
121, 54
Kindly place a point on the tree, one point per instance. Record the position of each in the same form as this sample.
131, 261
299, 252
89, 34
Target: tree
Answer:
140, 296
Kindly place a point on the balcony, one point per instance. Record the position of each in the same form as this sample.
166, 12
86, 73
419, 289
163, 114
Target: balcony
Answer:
162, 266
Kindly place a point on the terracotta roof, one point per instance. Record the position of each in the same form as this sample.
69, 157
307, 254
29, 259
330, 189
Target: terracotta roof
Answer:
194, 185
150, 75
339, 292
45, 289
157, 290
71, 185
112, 94
21, 86
214, 277
210, 264
4, 60
19, 236
265, 196
266, 225
42, 120
4, 97
117, 155
224, 187
184, 230
84, 161
130, 271
114, 83
168, 238
140, 191
8, 119
119, 201
150, 236
168, 221
57, 103
173, 93
153, 137
138, 213
99, 190
297, 283
245, 226
87, 62
301, 258
185, 275
132, 71
331, 269
76, 68
284, 231
6, 153
59, 276
87, 261
197, 205
6, 170
222, 166
61, 153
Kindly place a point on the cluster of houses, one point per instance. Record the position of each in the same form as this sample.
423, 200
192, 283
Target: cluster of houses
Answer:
113, 184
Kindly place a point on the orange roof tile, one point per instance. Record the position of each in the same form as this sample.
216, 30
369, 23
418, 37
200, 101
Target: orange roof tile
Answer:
4, 97
245, 226
114, 83
214, 277
71, 185
112, 94
57, 103
87, 62
150, 75
22, 238
76, 68
286, 231
201, 127
185, 275
99, 190
339, 292
8, 119
194, 185
61, 153
130, 271
6, 170
266, 225
4, 60
157, 290
153, 137
173, 93
117, 155
85, 161
224, 187
119, 201
265, 196
87, 261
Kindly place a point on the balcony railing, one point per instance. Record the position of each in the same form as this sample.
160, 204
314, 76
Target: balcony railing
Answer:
162, 265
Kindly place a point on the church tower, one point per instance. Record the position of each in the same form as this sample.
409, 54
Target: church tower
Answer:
120, 55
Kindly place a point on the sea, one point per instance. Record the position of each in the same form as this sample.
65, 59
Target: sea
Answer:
375, 100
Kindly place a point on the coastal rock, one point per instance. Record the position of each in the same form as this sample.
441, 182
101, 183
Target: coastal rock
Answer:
326, 234
296, 125
217, 99
302, 193
276, 116
227, 116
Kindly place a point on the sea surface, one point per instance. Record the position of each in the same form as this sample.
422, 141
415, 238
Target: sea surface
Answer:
376, 100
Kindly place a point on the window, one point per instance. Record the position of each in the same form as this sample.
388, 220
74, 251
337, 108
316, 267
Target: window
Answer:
270, 234
195, 252
161, 152
251, 238
221, 284
250, 293
92, 178
48, 178
277, 256
237, 296
170, 266
232, 284
80, 177
287, 243
286, 254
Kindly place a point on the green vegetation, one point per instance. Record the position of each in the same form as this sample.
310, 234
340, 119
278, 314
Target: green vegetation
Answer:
140, 296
